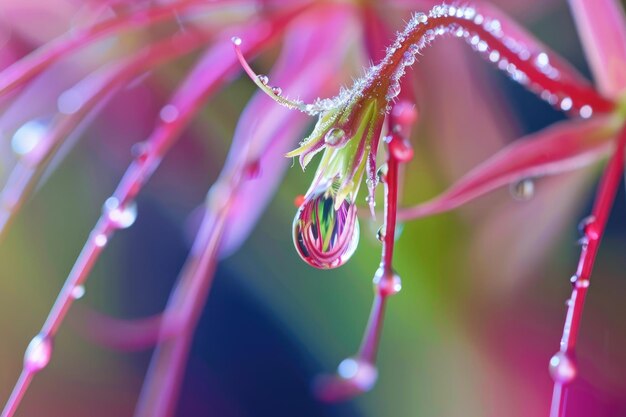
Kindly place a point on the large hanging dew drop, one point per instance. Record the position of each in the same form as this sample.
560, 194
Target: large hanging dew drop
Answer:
325, 237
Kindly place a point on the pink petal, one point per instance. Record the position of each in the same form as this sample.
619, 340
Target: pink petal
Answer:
566, 146
308, 67
602, 28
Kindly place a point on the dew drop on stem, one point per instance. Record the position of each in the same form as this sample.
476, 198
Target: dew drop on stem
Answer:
563, 368
38, 353
28, 136
522, 190
120, 217
263, 79
334, 136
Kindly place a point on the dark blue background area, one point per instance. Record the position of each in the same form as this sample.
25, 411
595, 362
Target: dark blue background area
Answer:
243, 361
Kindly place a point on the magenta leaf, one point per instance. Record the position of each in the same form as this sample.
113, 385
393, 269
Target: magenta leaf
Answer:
563, 147
602, 28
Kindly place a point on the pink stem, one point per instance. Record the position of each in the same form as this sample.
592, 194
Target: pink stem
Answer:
197, 88
30, 167
30, 66
570, 92
563, 363
358, 374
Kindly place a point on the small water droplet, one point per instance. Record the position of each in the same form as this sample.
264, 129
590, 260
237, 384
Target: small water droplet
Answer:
380, 234
393, 91
277, 91
542, 60
28, 136
361, 373
169, 113
494, 56
120, 217
381, 173
586, 111
563, 368
100, 240
334, 136
588, 228
582, 283
78, 292
236, 40
387, 282
325, 237
140, 151
566, 104
523, 190
264, 79
38, 353
408, 58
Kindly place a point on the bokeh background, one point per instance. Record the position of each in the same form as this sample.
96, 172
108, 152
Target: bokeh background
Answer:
484, 287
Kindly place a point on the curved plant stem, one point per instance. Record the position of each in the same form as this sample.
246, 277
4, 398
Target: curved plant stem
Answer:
29, 169
30, 66
538, 70
209, 74
563, 363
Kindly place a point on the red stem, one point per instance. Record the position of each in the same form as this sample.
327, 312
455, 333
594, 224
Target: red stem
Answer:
565, 84
593, 230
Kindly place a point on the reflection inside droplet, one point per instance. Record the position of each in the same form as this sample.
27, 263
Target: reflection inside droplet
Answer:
324, 236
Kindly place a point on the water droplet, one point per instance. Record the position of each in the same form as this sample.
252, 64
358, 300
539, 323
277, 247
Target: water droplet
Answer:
408, 58
542, 60
582, 283
494, 56
381, 173
100, 240
169, 113
334, 136
566, 104
387, 282
588, 228
380, 234
277, 91
523, 190
140, 151
263, 79
120, 217
28, 136
38, 352
393, 91
563, 368
324, 236
236, 40
586, 111
361, 373
78, 292
399, 148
